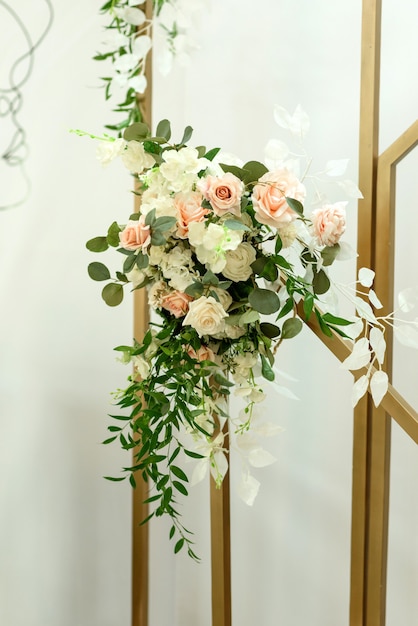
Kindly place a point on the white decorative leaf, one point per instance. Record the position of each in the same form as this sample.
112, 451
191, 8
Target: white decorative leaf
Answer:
299, 123
285, 375
359, 389
284, 391
126, 63
366, 276
350, 188
365, 310
408, 298
374, 299
141, 46
360, 356
336, 167
199, 471
407, 335
378, 386
138, 83
266, 429
355, 329
274, 153
248, 489
220, 466
131, 15
378, 343
282, 117
260, 458
346, 252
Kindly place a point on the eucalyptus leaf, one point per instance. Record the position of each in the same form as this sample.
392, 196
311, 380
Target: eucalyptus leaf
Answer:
112, 294
211, 154
264, 301
164, 129
234, 169
270, 330
249, 317
291, 328
295, 205
163, 223
236, 225
98, 271
188, 131
97, 244
329, 254
266, 370
194, 290
113, 235
320, 283
253, 171
142, 261
137, 132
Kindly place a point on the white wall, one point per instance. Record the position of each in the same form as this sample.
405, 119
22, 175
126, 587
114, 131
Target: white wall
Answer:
64, 532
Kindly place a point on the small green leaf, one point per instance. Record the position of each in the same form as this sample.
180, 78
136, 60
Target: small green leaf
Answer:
287, 307
98, 271
106, 441
164, 130
236, 225
113, 235
180, 487
141, 261
295, 205
221, 380
320, 283
193, 455
211, 154
210, 278
266, 370
233, 169
163, 223
329, 254
137, 132
172, 531
112, 294
129, 263
291, 328
97, 244
194, 290
270, 330
114, 480
150, 218
254, 170
157, 238
179, 545
132, 481
188, 131
179, 473
332, 319
308, 303
278, 245
249, 317
264, 301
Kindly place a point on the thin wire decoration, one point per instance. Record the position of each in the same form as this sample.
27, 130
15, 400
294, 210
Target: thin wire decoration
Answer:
11, 99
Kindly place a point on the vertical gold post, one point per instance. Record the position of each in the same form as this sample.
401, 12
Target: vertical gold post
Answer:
221, 550
140, 534
363, 433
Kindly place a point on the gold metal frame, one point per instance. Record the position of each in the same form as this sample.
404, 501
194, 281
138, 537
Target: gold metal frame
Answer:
372, 427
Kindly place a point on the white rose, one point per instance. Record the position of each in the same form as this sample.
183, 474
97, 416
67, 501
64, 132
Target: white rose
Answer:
224, 298
206, 316
106, 151
135, 158
238, 262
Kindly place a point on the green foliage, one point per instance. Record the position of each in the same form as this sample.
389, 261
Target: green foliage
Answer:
264, 301
112, 294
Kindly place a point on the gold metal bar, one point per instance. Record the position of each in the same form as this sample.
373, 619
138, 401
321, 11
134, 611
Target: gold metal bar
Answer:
362, 433
140, 534
221, 549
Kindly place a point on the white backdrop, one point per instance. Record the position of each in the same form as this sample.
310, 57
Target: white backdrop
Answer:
65, 532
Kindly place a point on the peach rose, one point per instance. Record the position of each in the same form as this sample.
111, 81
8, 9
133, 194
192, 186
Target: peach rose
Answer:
203, 354
135, 235
189, 208
269, 197
176, 302
224, 193
328, 223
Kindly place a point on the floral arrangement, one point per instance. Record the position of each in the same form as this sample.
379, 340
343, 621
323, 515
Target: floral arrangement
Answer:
230, 260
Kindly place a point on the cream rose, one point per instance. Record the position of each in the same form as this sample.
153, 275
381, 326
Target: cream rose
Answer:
135, 235
135, 158
238, 262
176, 302
269, 197
328, 223
224, 193
206, 316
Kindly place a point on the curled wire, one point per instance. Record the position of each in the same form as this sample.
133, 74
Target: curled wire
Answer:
11, 99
